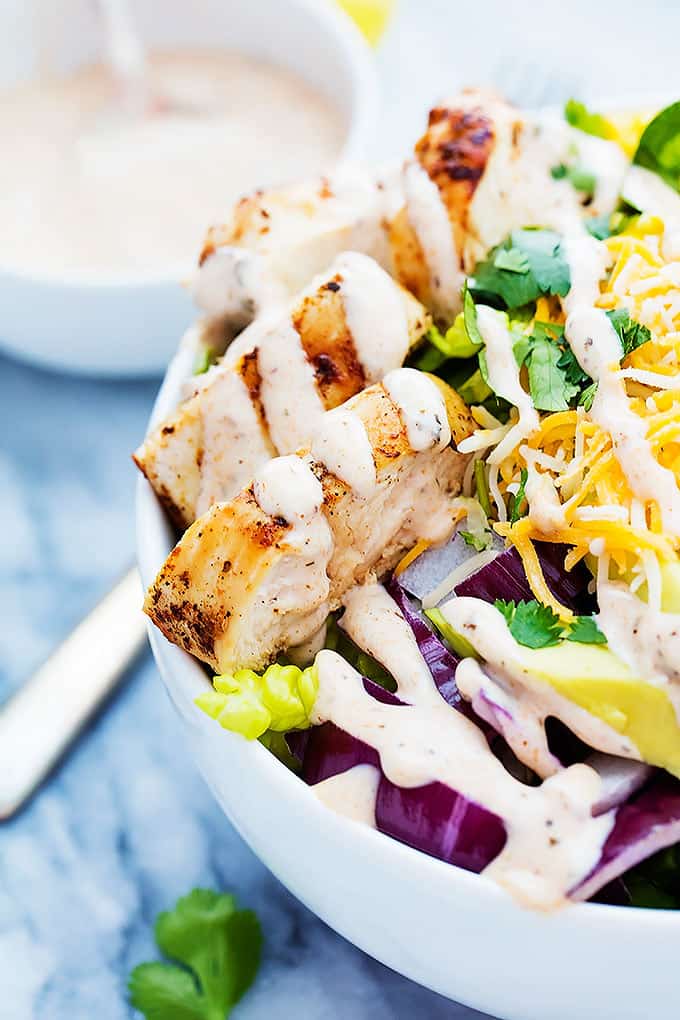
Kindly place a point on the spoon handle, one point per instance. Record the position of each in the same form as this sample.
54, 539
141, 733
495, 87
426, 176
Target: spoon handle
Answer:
39, 722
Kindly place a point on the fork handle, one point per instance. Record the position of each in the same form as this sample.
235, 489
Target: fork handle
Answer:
39, 722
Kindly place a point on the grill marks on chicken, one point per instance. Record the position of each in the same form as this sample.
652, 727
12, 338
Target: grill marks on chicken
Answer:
278, 377
261, 572
469, 182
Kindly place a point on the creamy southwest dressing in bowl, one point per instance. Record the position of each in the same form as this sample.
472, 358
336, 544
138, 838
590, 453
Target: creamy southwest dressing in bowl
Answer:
106, 191
451, 605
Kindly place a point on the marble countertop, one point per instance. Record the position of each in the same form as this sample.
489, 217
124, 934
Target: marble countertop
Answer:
126, 825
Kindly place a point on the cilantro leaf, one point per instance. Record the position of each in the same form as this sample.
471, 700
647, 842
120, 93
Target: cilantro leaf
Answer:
548, 384
631, 333
659, 147
547, 269
579, 116
219, 944
162, 991
585, 631
531, 623
519, 498
512, 259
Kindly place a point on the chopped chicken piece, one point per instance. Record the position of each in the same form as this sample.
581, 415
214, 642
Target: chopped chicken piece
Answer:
351, 327
480, 170
261, 572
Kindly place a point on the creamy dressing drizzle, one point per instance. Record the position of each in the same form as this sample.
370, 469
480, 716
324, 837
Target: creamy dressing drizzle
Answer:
608, 164
375, 311
545, 509
421, 407
351, 793
504, 379
291, 401
647, 639
342, 445
596, 345
287, 487
429, 218
553, 840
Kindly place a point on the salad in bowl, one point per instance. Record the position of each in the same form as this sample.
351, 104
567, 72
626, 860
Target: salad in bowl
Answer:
426, 483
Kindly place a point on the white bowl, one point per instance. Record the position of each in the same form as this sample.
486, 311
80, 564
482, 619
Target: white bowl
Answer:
128, 325
450, 930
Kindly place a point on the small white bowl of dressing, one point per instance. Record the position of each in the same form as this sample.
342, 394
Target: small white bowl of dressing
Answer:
103, 214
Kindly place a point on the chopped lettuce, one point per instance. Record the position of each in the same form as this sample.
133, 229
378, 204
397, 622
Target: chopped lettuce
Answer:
579, 116
205, 358
248, 703
659, 147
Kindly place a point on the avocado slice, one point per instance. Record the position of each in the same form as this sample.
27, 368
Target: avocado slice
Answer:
594, 678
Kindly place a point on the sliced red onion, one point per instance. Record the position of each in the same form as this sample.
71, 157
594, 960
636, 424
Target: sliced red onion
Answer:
440, 822
621, 778
440, 661
649, 822
504, 578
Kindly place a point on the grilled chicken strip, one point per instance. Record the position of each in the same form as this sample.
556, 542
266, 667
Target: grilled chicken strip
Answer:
268, 394
261, 572
480, 170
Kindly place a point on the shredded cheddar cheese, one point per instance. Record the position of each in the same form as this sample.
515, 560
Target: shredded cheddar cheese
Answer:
596, 514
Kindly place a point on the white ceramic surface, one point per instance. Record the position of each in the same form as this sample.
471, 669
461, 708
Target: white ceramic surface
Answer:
452, 931
121, 325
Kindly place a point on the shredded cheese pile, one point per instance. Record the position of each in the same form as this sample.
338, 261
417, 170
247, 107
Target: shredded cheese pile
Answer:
585, 500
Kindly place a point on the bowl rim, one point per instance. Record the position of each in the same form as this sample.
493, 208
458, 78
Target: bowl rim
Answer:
153, 536
364, 92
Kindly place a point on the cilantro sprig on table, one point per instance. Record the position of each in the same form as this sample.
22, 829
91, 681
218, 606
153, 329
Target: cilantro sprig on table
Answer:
537, 626
218, 948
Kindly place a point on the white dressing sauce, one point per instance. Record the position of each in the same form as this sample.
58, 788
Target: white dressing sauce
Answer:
84, 187
597, 347
287, 487
587, 258
647, 639
342, 445
351, 793
545, 509
375, 311
429, 219
421, 407
292, 404
608, 163
504, 379
553, 840
235, 281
